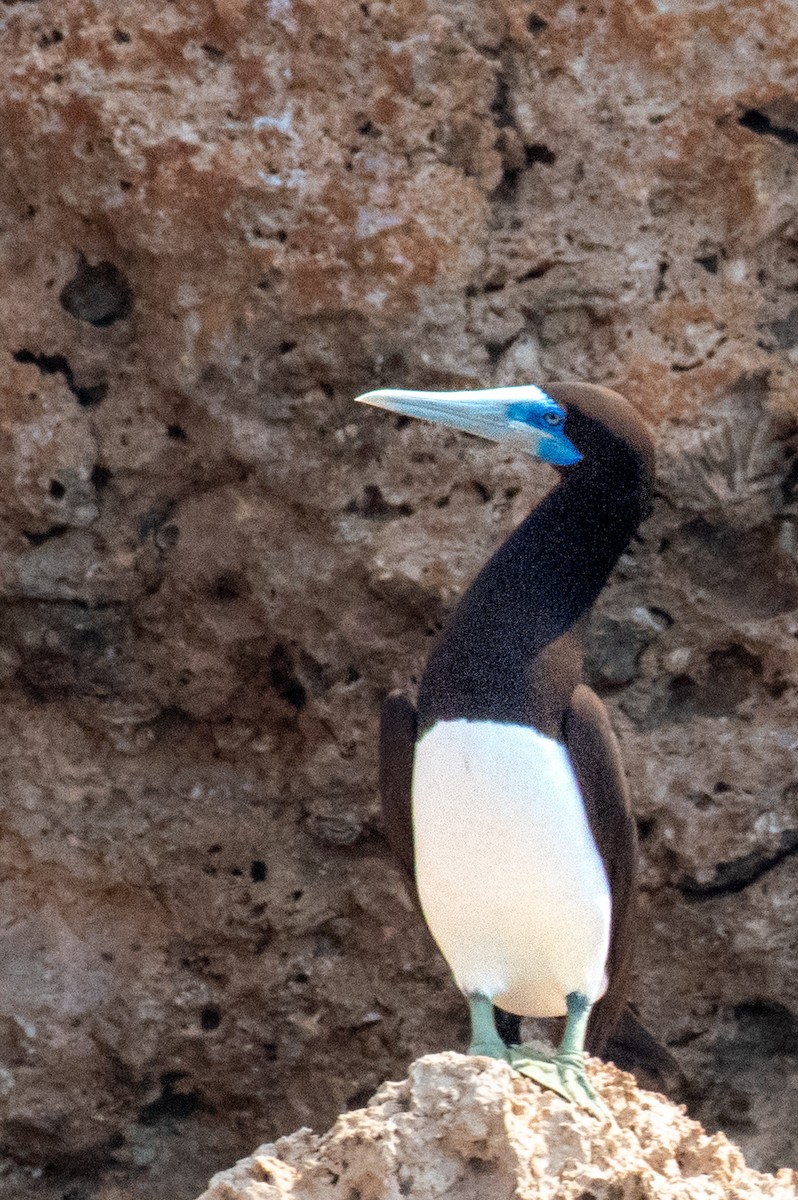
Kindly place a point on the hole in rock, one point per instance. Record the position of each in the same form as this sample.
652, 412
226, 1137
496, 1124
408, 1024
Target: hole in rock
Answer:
100, 477
210, 1018
536, 24
258, 870
170, 1103
538, 153
227, 587
710, 262
57, 489
98, 293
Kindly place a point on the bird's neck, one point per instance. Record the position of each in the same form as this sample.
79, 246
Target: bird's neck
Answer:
535, 587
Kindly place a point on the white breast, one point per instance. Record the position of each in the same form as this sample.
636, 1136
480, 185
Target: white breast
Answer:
510, 880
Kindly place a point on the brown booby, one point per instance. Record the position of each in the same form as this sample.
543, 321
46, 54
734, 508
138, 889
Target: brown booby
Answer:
522, 840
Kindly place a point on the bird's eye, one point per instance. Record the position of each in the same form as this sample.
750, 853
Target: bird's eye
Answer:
552, 418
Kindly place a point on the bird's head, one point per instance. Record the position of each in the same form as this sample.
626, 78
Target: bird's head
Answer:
524, 417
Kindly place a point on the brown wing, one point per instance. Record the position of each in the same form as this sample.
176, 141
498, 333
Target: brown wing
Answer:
398, 729
632, 1047
596, 757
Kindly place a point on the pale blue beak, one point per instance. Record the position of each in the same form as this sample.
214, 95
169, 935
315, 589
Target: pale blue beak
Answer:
515, 415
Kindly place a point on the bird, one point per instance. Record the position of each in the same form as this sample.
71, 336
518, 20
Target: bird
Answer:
503, 788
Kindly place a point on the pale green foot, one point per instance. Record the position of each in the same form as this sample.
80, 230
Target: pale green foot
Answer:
565, 1073
485, 1038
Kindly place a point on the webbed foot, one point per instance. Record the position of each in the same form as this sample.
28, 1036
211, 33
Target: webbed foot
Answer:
564, 1074
490, 1049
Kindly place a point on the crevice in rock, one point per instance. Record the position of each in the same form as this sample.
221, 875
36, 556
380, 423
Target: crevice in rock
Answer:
57, 364
152, 521
170, 1103
766, 1027
789, 487
739, 873
372, 505
537, 272
756, 121
38, 539
503, 117
660, 286
508, 186
284, 680
100, 477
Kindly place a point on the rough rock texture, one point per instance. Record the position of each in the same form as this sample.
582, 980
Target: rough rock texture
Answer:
462, 1127
218, 222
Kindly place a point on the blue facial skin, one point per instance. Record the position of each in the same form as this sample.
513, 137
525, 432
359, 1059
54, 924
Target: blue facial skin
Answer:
555, 448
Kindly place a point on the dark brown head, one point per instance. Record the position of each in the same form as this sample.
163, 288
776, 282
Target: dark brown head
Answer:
599, 419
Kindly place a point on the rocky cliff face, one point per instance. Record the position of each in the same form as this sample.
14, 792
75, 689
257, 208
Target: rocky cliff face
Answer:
219, 222
464, 1127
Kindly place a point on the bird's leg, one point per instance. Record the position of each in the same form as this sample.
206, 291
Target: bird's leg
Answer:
565, 1073
484, 1035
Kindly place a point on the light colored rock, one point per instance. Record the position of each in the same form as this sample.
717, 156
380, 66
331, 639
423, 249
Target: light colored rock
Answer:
468, 1127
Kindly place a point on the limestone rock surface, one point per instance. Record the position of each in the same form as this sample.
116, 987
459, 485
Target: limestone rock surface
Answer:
469, 1127
219, 221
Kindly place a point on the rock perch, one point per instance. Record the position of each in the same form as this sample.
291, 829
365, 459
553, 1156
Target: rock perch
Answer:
472, 1128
